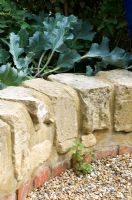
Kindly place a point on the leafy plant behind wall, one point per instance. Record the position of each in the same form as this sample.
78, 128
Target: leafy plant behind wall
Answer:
55, 46
106, 16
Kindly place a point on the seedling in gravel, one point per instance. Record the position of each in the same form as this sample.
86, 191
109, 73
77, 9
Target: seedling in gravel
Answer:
78, 162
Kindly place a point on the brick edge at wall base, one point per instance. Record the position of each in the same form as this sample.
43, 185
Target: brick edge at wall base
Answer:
44, 173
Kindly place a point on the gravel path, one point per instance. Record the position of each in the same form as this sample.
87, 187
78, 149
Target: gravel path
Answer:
111, 179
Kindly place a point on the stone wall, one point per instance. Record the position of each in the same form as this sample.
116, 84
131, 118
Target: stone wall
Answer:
40, 121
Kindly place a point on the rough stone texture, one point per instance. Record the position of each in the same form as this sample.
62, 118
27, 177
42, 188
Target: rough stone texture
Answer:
88, 140
95, 98
10, 197
7, 180
62, 147
37, 108
21, 126
64, 110
122, 81
107, 140
43, 132
76, 101
54, 156
40, 153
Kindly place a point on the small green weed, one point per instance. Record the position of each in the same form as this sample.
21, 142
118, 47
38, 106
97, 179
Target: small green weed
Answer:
78, 162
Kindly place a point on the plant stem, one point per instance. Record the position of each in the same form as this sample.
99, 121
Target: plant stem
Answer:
83, 57
4, 41
46, 64
53, 70
39, 64
49, 59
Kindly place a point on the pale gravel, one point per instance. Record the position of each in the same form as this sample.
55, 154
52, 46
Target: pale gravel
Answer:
111, 179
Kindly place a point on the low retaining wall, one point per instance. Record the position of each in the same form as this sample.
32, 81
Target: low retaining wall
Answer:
40, 121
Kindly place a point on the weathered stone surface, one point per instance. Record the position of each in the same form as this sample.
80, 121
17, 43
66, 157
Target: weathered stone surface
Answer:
43, 132
46, 101
64, 108
7, 180
40, 153
95, 96
75, 98
38, 109
42, 141
63, 147
16, 115
88, 140
106, 141
54, 157
122, 80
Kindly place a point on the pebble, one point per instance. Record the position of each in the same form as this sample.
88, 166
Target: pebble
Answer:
111, 179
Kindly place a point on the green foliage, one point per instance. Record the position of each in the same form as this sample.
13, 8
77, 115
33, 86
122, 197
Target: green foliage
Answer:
11, 18
56, 43
59, 44
4, 55
10, 76
20, 62
110, 18
106, 16
117, 58
78, 162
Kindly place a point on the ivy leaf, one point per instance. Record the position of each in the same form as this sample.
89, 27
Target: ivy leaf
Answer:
4, 55
67, 60
10, 76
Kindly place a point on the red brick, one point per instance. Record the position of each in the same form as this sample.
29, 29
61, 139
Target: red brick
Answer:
10, 197
125, 150
60, 167
24, 190
43, 174
101, 154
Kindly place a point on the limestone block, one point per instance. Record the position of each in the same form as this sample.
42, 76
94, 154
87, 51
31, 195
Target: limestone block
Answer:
122, 81
43, 132
16, 115
54, 157
88, 140
95, 96
64, 109
7, 180
63, 146
37, 108
40, 153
